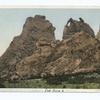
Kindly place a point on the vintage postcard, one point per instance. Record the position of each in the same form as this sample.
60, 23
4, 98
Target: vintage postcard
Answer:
50, 49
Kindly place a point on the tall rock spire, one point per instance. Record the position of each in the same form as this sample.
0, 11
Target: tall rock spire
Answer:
34, 29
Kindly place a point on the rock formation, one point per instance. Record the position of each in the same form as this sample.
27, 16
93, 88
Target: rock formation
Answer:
78, 54
36, 53
74, 26
34, 29
33, 66
81, 54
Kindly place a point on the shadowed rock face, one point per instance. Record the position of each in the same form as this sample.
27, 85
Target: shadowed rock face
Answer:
36, 53
74, 26
34, 29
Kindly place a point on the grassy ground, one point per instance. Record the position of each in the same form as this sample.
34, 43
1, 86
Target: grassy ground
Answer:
39, 83
79, 81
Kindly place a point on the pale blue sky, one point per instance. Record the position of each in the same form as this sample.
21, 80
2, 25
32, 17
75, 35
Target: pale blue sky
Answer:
12, 20
51, 2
